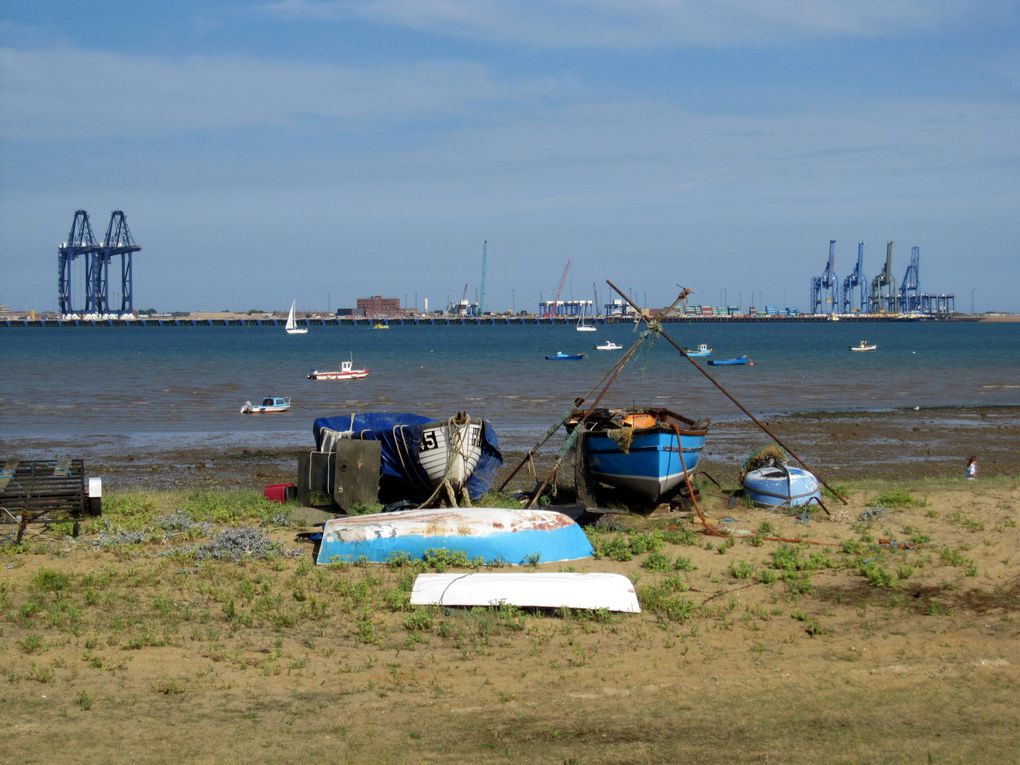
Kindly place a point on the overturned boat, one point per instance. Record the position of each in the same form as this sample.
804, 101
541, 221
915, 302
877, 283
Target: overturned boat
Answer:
420, 454
596, 591
646, 452
780, 486
491, 535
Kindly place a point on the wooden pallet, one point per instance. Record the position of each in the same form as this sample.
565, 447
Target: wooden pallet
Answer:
42, 491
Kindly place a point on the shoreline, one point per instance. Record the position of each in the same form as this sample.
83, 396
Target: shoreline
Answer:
900, 444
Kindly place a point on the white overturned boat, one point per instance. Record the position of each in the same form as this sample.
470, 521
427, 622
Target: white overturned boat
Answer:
450, 450
596, 591
494, 535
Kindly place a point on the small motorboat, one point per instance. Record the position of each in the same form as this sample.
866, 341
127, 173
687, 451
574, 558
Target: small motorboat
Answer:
494, 535
737, 362
702, 350
864, 345
269, 405
380, 325
292, 327
642, 451
561, 356
780, 485
346, 372
608, 345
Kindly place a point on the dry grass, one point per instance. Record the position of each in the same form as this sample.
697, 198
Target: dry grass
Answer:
137, 646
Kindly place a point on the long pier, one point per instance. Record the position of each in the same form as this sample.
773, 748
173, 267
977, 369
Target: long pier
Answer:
347, 321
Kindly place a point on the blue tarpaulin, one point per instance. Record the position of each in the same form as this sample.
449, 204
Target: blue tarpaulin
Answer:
400, 436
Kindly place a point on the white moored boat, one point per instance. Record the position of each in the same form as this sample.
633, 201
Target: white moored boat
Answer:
292, 327
346, 372
269, 405
608, 345
864, 345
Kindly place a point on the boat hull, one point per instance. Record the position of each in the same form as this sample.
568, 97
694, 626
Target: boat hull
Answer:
609, 592
356, 374
741, 361
494, 535
778, 486
652, 467
450, 451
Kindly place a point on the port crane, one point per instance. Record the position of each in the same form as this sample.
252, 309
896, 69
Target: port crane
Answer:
825, 288
80, 242
855, 280
883, 287
550, 307
910, 289
485, 265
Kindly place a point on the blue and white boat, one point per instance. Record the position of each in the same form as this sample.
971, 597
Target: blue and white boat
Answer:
781, 486
641, 451
269, 405
702, 350
737, 362
561, 356
494, 535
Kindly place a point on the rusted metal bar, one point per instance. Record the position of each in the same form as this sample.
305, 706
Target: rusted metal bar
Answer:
725, 392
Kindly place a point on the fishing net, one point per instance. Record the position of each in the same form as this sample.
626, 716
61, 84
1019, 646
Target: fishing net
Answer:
622, 437
770, 455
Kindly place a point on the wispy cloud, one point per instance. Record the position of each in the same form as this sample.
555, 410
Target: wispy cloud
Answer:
53, 93
644, 23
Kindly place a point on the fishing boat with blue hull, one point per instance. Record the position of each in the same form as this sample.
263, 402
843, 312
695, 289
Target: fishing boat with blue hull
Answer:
780, 485
494, 535
561, 356
645, 452
737, 362
700, 352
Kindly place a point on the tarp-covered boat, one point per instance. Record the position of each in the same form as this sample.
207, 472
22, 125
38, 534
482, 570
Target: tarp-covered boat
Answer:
494, 535
597, 590
419, 452
639, 450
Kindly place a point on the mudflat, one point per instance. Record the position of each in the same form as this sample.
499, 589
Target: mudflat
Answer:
190, 624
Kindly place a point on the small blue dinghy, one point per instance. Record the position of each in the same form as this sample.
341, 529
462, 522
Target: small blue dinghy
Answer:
561, 356
495, 535
739, 361
781, 486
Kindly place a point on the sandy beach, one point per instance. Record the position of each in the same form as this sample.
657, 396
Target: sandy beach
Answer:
884, 632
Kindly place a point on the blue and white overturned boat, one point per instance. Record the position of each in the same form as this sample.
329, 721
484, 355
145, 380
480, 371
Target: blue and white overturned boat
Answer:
642, 451
781, 486
494, 535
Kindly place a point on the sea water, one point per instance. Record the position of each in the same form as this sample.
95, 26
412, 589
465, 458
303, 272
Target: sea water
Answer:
139, 388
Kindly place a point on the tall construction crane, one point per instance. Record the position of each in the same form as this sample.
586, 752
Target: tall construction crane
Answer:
883, 287
550, 307
485, 265
855, 280
118, 241
910, 289
825, 288
80, 242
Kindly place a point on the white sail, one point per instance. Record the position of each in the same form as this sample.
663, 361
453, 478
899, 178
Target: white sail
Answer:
292, 327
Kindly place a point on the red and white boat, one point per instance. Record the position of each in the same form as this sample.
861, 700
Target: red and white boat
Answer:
346, 372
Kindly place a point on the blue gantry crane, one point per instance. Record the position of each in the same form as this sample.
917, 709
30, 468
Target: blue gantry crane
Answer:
81, 242
910, 288
854, 281
118, 241
825, 288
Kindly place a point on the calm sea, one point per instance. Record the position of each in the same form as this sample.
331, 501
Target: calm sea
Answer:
121, 389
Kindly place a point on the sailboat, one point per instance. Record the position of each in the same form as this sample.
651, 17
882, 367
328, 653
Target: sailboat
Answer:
581, 326
292, 327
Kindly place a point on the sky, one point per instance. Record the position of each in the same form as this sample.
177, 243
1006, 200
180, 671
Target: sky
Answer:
320, 150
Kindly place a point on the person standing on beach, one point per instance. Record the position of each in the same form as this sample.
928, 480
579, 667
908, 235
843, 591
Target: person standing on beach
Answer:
971, 470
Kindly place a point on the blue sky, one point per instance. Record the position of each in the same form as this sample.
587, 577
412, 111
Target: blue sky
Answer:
324, 150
